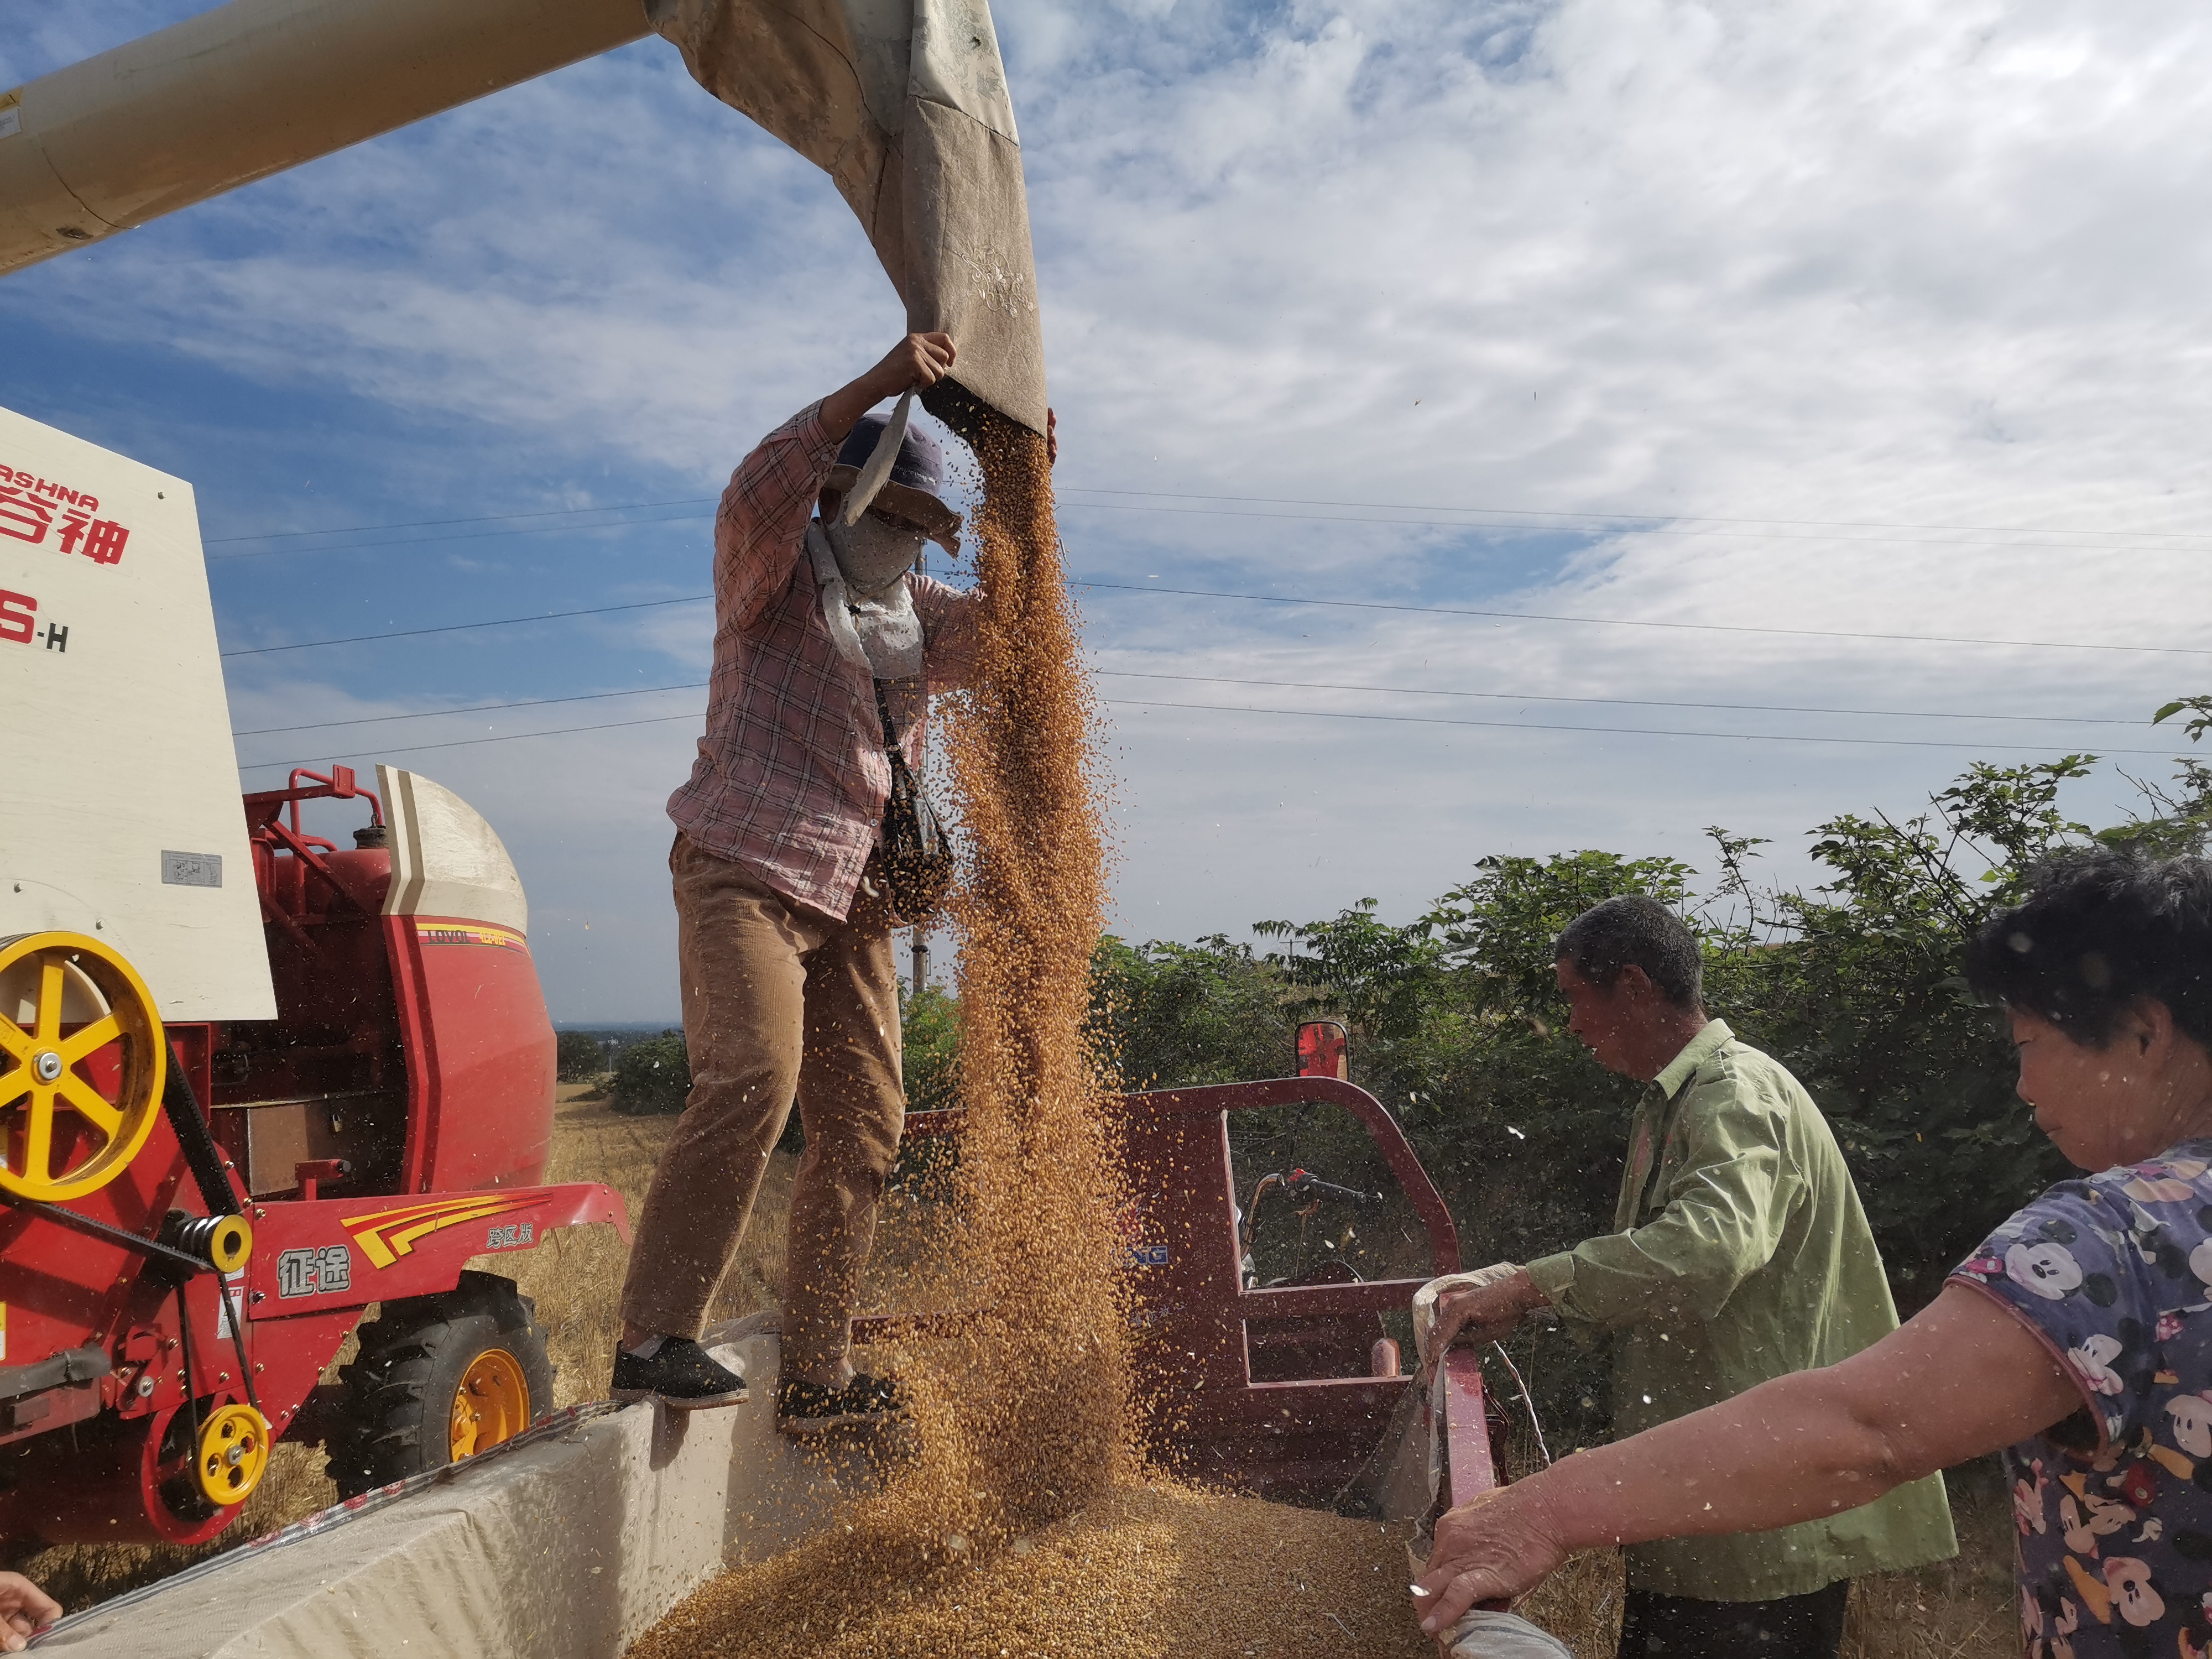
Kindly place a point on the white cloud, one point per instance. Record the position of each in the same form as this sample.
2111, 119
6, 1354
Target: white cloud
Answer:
1798, 267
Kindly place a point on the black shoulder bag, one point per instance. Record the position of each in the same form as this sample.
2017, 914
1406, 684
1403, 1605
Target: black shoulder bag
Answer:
917, 855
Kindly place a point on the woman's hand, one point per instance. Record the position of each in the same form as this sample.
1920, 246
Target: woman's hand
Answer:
25, 1609
1492, 1549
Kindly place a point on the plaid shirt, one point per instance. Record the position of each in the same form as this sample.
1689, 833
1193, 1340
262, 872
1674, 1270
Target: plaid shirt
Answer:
790, 777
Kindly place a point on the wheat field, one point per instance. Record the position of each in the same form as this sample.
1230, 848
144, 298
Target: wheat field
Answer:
1962, 1609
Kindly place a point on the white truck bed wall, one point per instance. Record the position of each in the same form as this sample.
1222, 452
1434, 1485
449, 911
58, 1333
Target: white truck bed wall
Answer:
569, 1549
446, 859
120, 812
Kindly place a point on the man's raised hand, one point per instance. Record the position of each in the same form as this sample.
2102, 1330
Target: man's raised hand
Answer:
917, 362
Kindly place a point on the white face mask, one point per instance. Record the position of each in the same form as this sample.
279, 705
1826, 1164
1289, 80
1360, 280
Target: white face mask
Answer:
872, 555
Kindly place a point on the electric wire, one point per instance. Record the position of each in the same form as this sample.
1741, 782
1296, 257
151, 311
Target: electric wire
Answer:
1297, 685
1645, 518
1307, 714
462, 627
472, 536
470, 708
442, 524
1620, 730
1346, 605
1634, 622
1673, 522
1640, 529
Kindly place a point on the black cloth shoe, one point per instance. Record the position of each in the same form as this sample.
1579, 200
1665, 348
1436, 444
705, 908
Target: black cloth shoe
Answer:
865, 1402
679, 1376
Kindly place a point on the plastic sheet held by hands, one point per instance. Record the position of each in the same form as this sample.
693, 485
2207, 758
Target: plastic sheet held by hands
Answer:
904, 104
1485, 1635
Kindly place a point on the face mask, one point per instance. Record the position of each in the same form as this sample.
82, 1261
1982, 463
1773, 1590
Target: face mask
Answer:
872, 555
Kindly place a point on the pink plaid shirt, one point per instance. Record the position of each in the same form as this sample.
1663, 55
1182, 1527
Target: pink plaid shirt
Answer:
791, 778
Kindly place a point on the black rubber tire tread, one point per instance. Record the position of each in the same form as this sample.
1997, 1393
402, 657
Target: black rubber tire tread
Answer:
399, 1390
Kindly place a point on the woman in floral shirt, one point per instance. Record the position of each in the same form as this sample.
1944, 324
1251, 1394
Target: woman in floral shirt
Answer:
2078, 1337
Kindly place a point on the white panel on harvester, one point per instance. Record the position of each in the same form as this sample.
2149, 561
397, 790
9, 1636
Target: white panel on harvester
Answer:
120, 812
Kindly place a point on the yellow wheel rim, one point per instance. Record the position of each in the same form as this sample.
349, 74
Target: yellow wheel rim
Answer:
491, 1405
64, 998
233, 1453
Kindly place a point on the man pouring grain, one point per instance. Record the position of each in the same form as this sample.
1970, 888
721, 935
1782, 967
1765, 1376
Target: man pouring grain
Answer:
1741, 1254
826, 647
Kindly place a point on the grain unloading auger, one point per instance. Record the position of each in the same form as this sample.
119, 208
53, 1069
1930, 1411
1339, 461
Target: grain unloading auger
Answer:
903, 103
251, 1082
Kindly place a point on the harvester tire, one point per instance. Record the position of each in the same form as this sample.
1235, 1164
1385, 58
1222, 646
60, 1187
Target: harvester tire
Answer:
408, 1394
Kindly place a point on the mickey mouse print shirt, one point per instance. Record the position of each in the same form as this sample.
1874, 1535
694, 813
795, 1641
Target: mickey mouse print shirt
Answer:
2113, 1272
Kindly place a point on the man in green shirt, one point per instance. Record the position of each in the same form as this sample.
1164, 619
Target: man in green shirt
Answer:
1741, 1254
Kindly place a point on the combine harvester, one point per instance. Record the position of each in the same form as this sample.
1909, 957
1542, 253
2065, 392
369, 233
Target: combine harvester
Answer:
252, 1082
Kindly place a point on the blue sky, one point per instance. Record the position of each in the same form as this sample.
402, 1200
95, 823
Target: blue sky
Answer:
1874, 318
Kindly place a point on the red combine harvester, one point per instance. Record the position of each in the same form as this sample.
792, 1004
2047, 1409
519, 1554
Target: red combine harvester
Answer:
235, 1114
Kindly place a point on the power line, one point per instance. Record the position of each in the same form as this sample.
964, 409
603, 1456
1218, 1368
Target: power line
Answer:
461, 627
1627, 622
1616, 731
1637, 530
473, 536
1228, 679
1303, 713
442, 524
1346, 605
471, 743
1671, 519
1624, 703
1644, 518
471, 708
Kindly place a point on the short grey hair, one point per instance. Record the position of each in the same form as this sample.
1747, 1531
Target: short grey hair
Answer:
1634, 931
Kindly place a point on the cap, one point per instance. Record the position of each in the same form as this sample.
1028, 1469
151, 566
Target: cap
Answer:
916, 476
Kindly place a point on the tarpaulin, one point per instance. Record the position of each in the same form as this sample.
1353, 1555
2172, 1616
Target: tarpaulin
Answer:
904, 104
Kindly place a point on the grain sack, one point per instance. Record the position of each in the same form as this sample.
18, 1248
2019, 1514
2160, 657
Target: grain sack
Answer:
904, 104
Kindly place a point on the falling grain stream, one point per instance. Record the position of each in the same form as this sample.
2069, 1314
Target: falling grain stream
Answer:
1023, 1522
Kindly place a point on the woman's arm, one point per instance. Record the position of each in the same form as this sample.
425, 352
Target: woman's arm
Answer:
1962, 1379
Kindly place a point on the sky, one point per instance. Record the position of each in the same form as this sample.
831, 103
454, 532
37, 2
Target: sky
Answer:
1612, 417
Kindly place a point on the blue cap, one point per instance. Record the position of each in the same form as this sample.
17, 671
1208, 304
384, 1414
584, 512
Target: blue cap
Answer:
916, 478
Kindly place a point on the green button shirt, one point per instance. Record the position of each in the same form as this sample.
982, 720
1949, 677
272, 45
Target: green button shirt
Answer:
1742, 1255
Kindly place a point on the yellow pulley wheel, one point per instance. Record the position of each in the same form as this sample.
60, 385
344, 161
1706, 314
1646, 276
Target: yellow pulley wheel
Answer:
82, 1062
230, 1240
492, 1404
233, 1453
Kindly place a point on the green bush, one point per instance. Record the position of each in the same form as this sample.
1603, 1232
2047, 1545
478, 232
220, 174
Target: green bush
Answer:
929, 1039
578, 1057
651, 1076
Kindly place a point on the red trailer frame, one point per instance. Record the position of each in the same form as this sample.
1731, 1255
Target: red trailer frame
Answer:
1300, 1438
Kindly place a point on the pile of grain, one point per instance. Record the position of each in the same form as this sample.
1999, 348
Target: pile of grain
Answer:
1138, 1573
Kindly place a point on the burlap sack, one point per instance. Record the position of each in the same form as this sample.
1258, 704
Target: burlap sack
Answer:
904, 104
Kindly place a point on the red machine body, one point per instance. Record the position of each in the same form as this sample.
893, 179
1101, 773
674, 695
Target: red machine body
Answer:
388, 1127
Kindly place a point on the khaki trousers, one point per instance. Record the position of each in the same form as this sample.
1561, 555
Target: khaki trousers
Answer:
780, 1002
